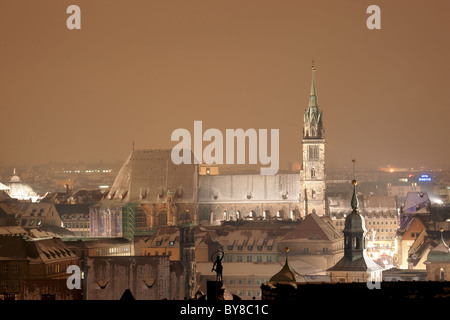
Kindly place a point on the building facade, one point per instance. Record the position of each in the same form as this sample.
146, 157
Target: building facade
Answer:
151, 191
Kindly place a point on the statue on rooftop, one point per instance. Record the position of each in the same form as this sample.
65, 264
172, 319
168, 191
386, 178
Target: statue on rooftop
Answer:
217, 266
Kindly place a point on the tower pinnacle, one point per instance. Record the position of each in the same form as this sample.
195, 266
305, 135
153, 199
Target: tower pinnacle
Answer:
313, 100
354, 202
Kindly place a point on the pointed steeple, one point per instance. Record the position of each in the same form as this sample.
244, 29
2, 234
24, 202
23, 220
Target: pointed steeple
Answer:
354, 202
313, 100
313, 125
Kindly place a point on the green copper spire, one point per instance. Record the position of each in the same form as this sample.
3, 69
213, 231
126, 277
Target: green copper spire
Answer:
354, 203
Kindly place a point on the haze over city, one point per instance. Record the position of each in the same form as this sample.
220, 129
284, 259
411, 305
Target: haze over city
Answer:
134, 73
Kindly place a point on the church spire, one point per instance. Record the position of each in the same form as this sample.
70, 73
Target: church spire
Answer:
313, 124
313, 100
354, 202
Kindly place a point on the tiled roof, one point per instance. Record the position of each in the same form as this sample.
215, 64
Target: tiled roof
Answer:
415, 200
380, 202
315, 228
36, 251
148, 175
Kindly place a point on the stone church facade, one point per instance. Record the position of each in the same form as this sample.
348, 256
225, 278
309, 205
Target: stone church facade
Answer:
151, 191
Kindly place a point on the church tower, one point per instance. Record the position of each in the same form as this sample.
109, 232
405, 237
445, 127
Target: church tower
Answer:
313, 154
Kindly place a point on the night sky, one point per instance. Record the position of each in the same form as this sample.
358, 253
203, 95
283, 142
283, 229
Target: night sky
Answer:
137, 70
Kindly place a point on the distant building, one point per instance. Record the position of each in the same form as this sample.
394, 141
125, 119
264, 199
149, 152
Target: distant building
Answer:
438, 262
104, 247
7, 216
421, 232
37, 215
339, 207
414, 202
22, 260
75, 217
85, 197
20, 190
395, 275
382, 222
254, 252
400, 188
414, 217
151, 191
167, 241
314, 241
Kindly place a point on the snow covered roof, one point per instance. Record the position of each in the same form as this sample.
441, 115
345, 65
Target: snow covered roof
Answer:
314, 227
415, 201
249, 188
380, 203
12, 231
35, 251
150, 175
3, 187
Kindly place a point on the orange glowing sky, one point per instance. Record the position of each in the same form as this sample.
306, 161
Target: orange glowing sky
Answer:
137, 70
